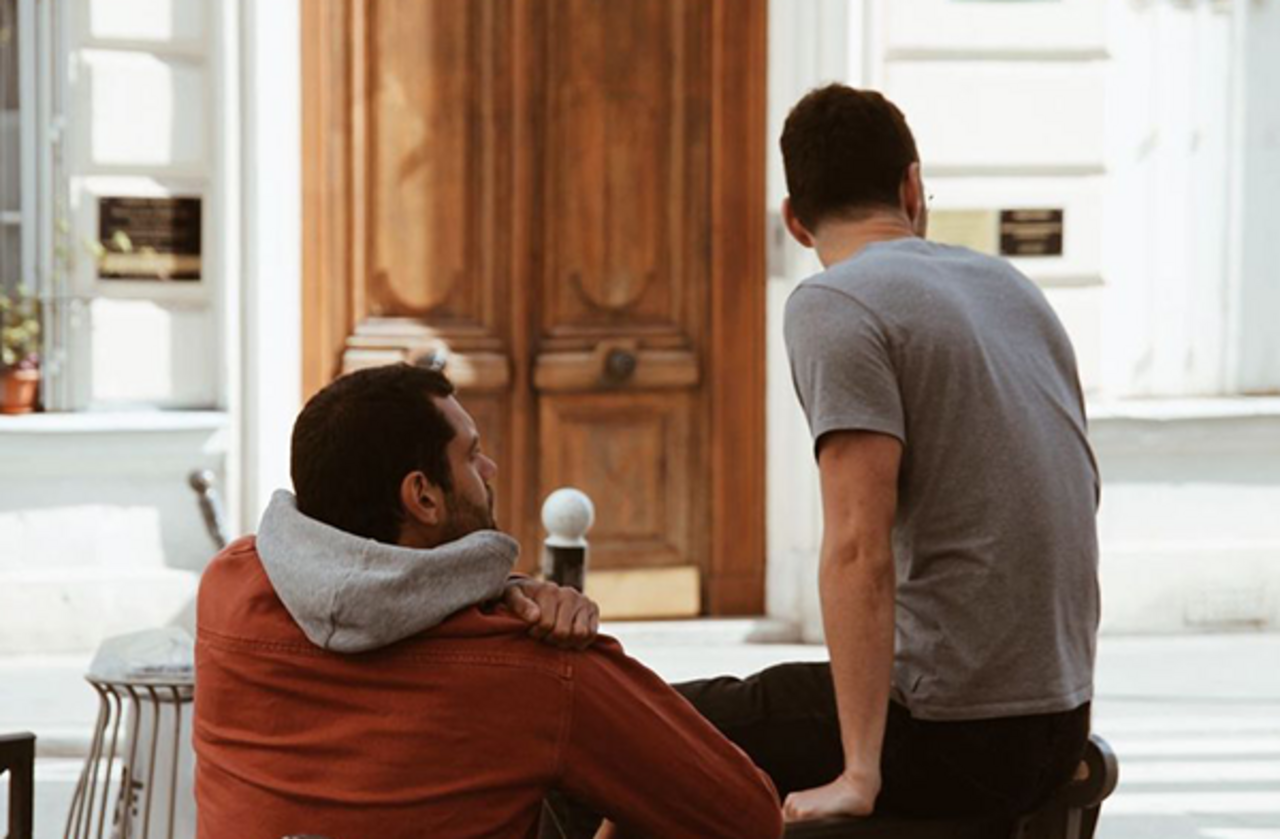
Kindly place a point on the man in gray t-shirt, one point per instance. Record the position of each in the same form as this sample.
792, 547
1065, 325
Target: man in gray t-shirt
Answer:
959, 358
958, 568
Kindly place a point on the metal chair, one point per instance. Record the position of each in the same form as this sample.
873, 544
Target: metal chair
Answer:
18, 758
130, 779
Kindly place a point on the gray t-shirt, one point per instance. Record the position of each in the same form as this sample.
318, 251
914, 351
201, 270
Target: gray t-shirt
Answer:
960, 357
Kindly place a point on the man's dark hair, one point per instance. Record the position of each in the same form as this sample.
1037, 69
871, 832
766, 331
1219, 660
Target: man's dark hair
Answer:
356, 439
845, 151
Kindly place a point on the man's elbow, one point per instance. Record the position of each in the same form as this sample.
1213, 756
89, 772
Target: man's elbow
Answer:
871, 555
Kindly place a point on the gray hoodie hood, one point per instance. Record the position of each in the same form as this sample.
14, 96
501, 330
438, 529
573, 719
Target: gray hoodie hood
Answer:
350, 594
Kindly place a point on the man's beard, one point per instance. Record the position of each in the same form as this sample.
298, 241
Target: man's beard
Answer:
465, 517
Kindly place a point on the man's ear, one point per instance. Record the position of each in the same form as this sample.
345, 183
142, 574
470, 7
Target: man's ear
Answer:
912, 196
422, 500
797, 230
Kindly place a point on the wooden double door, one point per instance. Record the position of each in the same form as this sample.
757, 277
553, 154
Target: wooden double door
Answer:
562, 201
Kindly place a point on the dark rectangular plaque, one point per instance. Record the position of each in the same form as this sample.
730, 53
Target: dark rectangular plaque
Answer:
1031, 232
149, 238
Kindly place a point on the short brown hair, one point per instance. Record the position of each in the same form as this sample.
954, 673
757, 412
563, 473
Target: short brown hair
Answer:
844, 151
355, 441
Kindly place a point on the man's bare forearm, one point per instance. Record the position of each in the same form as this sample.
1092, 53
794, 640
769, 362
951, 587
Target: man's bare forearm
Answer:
859, 472
857, 585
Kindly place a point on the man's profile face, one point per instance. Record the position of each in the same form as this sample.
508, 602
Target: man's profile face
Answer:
469, 504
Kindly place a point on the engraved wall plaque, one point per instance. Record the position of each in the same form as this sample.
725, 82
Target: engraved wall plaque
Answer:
150, 239
1030, 233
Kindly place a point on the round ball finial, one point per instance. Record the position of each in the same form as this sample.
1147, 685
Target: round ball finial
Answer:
567, 514
201, 480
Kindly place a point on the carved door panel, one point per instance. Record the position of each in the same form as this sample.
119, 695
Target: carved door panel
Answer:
622, 296
562, 201
434, 252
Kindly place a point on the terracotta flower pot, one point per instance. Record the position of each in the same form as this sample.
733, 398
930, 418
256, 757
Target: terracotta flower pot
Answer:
18, 391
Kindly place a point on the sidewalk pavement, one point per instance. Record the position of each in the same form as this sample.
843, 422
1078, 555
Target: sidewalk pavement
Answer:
1194, 719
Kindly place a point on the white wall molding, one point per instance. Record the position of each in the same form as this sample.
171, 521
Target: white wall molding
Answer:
810, 43
1254, 314
120, 446
271, 247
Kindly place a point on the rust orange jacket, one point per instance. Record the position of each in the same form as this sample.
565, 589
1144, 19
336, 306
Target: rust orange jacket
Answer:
457, 732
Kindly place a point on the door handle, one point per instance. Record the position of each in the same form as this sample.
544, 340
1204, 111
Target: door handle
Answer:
615, 364
619, 365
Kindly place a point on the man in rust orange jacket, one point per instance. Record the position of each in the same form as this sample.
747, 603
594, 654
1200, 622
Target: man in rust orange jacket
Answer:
313, 716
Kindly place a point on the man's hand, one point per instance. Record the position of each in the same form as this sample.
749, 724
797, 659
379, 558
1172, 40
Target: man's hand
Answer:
559, 616
845, 796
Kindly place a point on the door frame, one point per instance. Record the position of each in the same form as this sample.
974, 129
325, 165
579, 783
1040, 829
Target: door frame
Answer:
332, 103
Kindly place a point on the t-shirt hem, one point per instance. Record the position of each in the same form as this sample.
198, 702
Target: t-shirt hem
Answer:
854, 422
990, 710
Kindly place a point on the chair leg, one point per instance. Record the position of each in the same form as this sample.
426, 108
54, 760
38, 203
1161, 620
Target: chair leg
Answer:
1061, 823
1089, 822
18, 756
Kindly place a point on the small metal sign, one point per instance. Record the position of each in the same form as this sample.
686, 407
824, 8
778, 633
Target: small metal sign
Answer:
1031, 232
154, 239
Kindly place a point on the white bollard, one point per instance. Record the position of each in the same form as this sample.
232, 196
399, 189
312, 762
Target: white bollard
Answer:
567, 514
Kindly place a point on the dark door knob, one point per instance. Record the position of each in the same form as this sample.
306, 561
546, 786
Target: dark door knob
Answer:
619, 366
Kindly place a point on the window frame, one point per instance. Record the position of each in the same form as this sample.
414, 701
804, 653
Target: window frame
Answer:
23, 35
59, 183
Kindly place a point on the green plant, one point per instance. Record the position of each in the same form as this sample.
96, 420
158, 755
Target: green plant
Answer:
19, 330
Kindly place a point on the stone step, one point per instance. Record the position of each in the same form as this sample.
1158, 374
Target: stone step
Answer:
69, 610
47, 695
704, 632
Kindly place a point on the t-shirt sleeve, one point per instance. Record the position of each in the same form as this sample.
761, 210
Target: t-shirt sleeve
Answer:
842, 365
639, 754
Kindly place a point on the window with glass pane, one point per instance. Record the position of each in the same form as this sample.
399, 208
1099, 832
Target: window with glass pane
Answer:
10, 150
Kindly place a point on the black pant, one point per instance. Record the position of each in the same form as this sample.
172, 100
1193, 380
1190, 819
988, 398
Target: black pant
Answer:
785, 719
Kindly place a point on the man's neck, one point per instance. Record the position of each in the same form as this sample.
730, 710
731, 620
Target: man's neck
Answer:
837, 240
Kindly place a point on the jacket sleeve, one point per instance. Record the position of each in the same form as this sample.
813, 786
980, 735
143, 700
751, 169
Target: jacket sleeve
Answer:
639, 754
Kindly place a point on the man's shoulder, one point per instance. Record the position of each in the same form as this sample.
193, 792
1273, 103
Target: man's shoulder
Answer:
903, 280
238, 606
859, 288
907, 262
236, 599
881, 270
823, 296
236, 571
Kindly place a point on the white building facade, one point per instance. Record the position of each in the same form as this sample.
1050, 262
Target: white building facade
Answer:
1151, 127
146, 379
1154, 129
